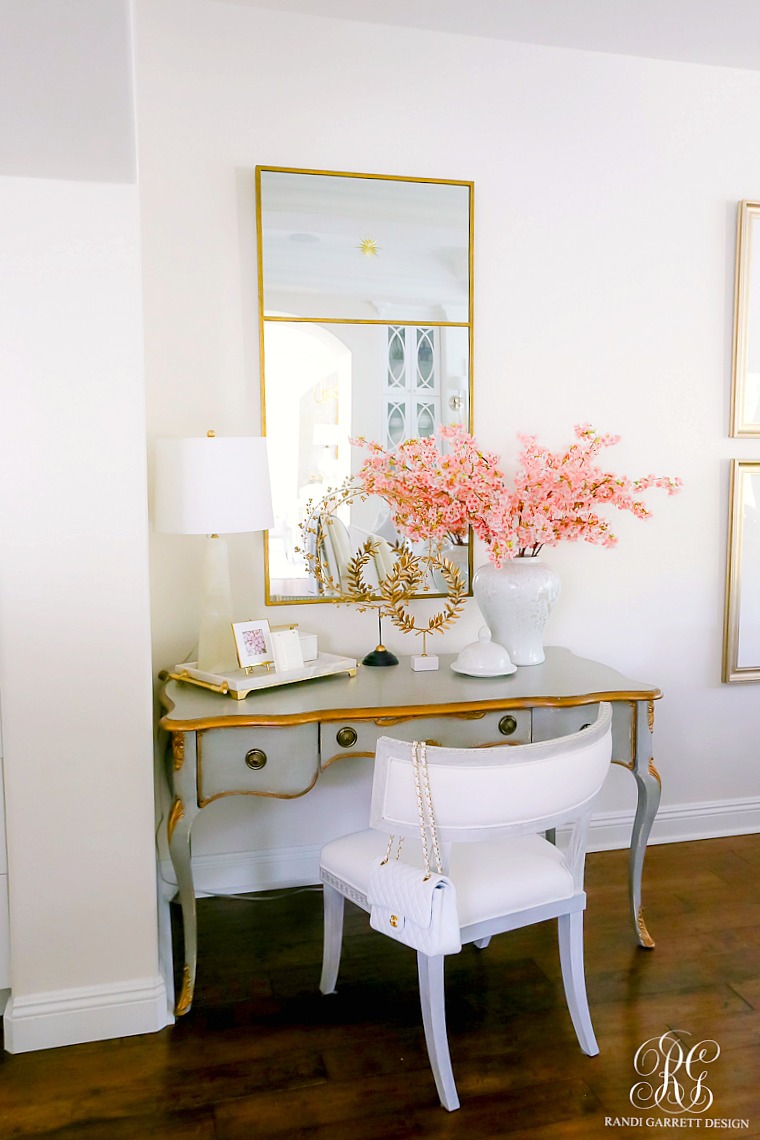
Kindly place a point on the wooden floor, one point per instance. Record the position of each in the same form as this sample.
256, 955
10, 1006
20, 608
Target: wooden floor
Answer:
263, 1054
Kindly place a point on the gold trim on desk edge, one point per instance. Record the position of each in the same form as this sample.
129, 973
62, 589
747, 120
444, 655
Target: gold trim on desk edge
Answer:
650, 715
204, 801
186, 994
653, 771
178, 750
644, 936
389, 721
175, 815
325, 764
454, 708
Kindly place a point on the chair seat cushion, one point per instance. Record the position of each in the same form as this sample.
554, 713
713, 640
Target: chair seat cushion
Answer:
493, 878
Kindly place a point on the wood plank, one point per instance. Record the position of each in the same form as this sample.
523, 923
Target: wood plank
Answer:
263, 1054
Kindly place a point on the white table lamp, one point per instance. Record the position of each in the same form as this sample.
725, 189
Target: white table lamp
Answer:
213, 486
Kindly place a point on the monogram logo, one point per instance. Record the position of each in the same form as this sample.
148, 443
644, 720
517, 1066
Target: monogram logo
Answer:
680, 1072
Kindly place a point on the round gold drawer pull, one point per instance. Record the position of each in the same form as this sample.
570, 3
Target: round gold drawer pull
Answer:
346, 737
507, 725
255, 759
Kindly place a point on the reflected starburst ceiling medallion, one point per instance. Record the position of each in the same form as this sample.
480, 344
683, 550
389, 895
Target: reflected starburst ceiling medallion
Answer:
369, 247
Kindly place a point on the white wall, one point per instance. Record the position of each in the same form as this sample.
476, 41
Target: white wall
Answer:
74, 612
605, 201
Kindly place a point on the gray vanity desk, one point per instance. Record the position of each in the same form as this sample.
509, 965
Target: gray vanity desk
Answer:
276, 742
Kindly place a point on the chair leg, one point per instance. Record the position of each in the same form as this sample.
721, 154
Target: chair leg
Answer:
333, 938
432, 1000
574, 979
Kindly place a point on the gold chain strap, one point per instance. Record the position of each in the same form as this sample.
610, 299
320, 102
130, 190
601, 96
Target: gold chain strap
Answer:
390, 845
424, 809
425, 775
420, 804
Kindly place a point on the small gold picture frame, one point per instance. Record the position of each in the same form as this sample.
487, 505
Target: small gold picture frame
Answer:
253, 643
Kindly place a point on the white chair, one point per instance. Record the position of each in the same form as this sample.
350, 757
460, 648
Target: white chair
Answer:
492, 808
384, 557
337, 548
341, 544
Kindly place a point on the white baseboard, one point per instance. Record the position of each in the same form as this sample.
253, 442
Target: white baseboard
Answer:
91, 1013
279, 868
678, 823
245, 871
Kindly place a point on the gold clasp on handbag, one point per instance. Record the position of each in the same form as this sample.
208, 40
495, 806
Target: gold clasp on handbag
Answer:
394, 920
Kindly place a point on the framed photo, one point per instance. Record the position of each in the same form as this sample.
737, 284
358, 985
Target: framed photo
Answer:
253, 643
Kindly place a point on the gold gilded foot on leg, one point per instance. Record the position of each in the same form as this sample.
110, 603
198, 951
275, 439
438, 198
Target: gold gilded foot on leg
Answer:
645, 938
186, 997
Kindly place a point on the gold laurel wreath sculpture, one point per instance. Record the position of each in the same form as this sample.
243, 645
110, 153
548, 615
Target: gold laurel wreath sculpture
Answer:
407, 579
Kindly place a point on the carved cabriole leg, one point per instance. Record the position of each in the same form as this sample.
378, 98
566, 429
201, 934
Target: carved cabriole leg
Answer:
179, 850
178, 750
183, 811
649, 786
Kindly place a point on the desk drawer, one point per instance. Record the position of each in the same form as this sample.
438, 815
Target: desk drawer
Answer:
464, 730
256, 761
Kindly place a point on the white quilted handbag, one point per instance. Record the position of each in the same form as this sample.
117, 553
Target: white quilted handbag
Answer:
415, 906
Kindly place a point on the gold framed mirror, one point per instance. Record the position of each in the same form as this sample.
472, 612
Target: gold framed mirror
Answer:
365, 318
745, 381
741, 645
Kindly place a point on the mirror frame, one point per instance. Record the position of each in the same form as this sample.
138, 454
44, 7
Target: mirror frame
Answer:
264, 319
741, 472
746, 294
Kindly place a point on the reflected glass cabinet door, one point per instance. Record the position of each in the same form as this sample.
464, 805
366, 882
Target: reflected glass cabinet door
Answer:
412, 383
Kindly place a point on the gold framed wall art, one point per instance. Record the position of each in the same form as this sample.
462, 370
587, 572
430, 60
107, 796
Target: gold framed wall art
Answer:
745, 380
741, 642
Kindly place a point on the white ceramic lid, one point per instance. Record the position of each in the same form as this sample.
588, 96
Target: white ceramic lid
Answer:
484, 658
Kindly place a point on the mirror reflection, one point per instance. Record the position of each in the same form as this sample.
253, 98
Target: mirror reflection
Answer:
742, 639
365, 331
350, 247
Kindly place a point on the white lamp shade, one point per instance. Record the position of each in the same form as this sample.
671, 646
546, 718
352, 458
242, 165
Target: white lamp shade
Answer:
212, 485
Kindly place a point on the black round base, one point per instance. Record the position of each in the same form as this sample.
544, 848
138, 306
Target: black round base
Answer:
380, 656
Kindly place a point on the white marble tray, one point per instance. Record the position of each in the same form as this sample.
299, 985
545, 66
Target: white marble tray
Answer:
238, 684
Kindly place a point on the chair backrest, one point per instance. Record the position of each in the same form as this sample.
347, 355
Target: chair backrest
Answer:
384, 557
338, 547
489, 793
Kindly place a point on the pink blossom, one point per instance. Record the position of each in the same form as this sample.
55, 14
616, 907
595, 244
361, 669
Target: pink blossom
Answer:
434, 495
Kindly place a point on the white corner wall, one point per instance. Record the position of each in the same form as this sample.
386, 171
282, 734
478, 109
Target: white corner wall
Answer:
74, 612
74, 660
605, 200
